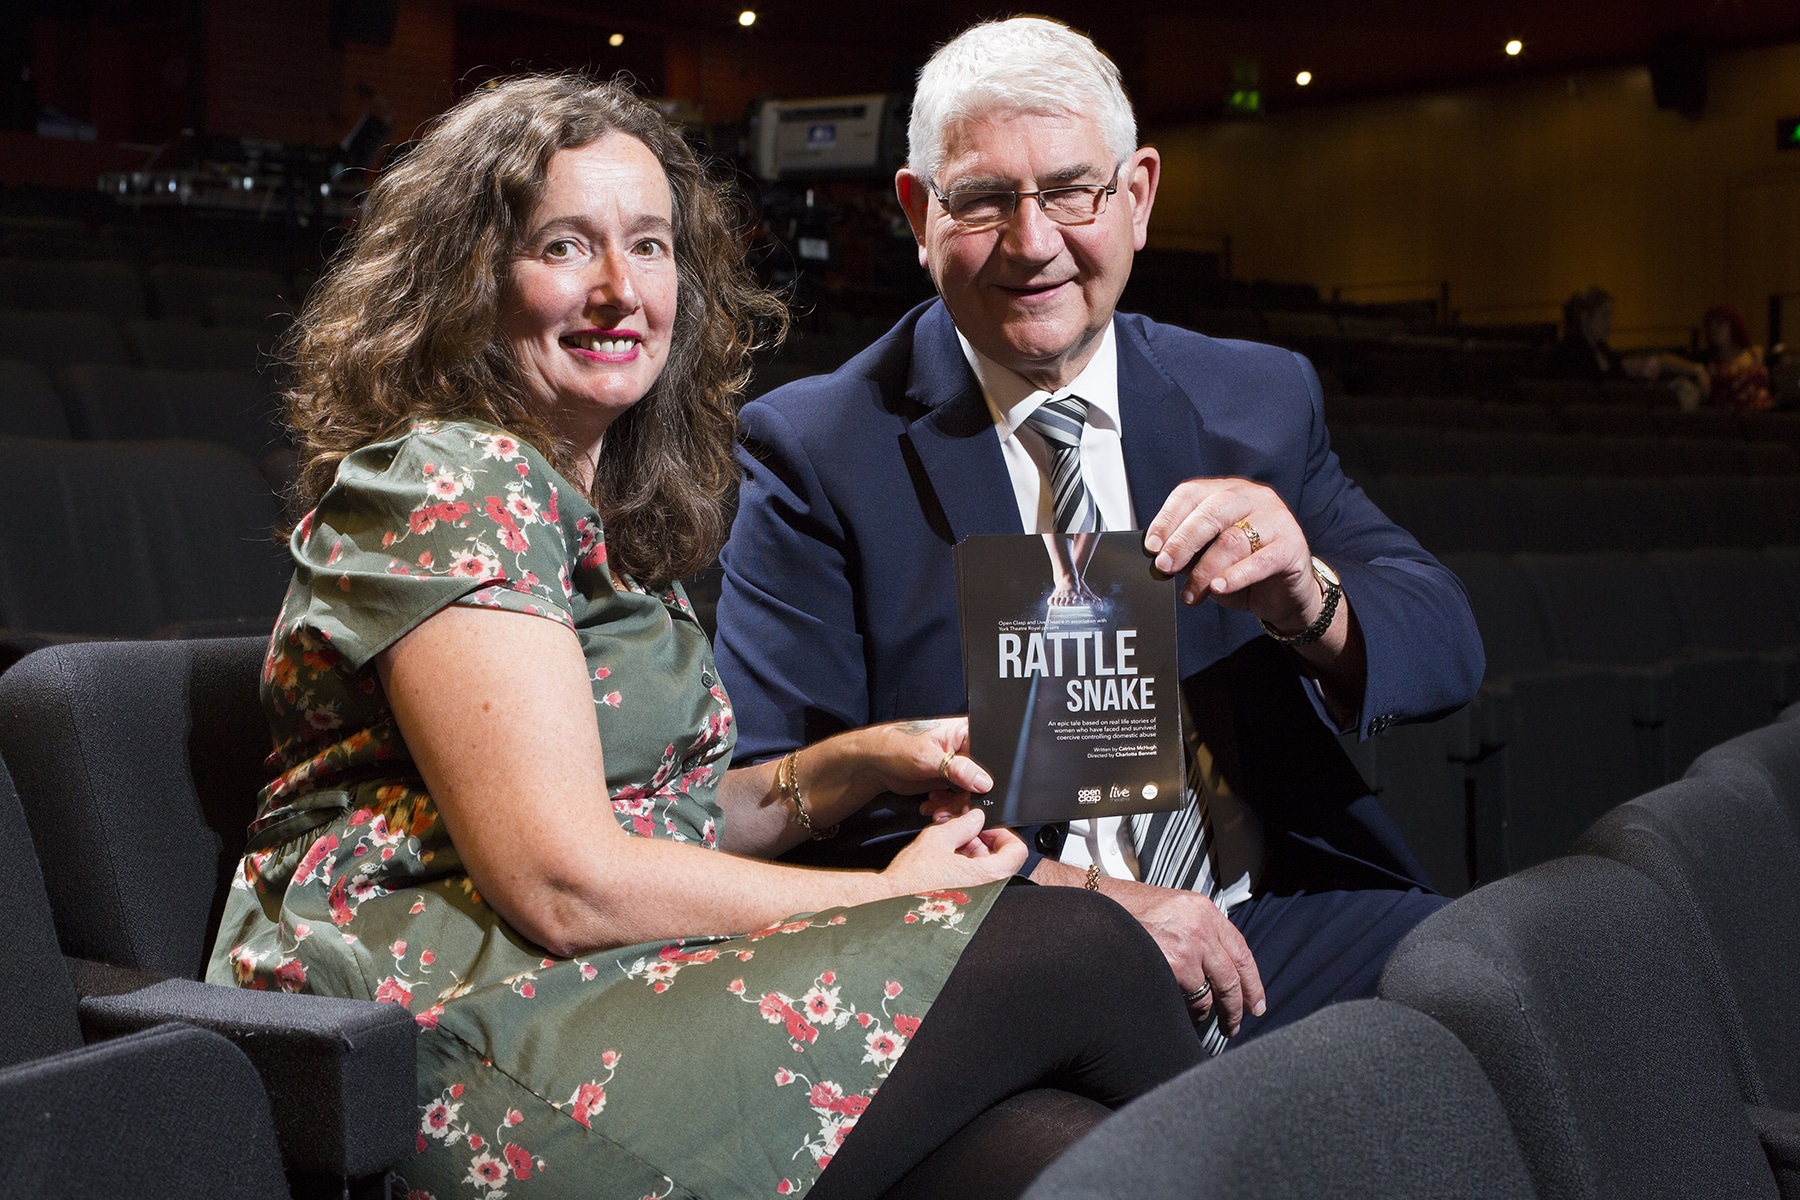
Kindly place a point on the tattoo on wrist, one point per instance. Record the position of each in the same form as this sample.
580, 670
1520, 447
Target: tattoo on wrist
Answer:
917, 727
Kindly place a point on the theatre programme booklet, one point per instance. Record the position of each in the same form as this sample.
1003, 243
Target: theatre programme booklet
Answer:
1069, 653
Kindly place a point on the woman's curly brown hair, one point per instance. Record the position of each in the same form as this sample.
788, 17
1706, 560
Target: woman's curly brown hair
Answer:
406, 321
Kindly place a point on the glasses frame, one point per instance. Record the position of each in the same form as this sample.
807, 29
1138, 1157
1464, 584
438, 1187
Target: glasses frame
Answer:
1102, 193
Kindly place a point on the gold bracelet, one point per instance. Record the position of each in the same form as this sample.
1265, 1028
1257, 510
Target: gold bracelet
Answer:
1093, 880
787, 787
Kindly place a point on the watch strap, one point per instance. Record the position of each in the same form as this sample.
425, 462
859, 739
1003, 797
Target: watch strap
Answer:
1333, 593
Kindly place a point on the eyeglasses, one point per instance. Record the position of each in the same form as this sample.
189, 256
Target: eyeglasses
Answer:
976, 210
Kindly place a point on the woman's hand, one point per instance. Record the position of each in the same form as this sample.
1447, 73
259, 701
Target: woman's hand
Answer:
956, 852
910, 757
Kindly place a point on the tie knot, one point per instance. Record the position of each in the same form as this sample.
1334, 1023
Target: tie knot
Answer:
1061, 420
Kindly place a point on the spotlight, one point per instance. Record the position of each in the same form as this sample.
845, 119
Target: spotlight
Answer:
1514, 48
617, 39
747, 18
1303, 78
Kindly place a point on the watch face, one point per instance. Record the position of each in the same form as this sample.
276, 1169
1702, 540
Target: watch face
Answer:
1326, 572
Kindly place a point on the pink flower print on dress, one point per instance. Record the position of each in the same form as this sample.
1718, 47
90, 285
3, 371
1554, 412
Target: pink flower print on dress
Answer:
392, 991
585, 1103
486, 1171
290, 976
519, 1159
502, 446
939, 907
424, 518
317, 856
883, 1048
478, 563
520, 506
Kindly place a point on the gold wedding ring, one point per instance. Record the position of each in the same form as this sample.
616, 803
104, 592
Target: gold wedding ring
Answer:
1198, 994
944, 767
1244, 524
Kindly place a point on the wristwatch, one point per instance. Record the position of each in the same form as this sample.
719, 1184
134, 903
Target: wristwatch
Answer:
1332, 590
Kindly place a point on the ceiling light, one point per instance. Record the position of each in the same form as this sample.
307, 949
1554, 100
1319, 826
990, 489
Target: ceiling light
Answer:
747, 18
1514, 48
617, 39
1303, 78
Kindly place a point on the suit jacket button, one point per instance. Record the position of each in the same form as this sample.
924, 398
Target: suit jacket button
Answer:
1050, 838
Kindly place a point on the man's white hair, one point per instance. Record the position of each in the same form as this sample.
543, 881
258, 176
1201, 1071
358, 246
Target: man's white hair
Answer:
1019, 65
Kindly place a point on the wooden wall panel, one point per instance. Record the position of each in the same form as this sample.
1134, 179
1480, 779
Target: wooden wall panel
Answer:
1516, 194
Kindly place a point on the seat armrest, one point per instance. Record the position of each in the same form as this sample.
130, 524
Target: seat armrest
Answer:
340, 1074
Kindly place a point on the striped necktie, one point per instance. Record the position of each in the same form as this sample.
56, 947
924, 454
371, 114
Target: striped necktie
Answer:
1172, 848
1060, 422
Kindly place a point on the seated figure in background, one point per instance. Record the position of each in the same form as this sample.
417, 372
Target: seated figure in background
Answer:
1731, 371
505, 797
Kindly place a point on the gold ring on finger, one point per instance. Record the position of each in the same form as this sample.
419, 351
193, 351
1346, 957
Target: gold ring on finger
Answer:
1198, 994
1244, 524
944, 767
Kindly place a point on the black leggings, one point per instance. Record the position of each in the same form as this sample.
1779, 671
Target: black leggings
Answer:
1059, 988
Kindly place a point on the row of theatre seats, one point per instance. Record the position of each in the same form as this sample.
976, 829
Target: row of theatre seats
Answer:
93, 402
1614, 1023
167, 291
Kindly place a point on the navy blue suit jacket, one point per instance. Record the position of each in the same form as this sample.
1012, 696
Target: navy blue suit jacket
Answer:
838, 606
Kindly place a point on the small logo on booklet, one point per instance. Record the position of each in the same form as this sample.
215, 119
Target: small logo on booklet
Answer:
1149, 792
1087, 795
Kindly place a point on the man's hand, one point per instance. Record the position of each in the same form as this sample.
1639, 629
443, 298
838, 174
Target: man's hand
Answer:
1204, 528
1201, 944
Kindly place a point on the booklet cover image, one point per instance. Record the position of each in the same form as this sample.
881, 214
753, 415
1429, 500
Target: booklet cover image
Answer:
1069, 653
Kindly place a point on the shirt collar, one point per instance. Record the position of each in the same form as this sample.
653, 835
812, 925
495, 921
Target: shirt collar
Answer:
1011, 399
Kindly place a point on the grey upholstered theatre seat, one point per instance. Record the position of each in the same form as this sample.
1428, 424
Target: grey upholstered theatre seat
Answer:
183, 292
1609, 420
126, 403
96, 285
153, 746
1560, 742
1614, 609
1452, 513
122, 539
1588, 1012
1722, 849
1643, 514
1557, 393
139, 765
1361, 1101
179, 346
1561, 513
29, 405
169, 1111
1736, 600
54, 340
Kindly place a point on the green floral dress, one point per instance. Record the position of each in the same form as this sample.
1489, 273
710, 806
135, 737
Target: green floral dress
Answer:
709, 1067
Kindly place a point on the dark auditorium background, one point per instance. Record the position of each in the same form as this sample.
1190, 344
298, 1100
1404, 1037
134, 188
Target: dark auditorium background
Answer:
1406, 191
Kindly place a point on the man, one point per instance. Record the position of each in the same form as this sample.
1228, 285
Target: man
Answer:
1028, 196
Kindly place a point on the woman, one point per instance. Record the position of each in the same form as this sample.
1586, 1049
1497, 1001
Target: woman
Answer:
504, 754
1739, 382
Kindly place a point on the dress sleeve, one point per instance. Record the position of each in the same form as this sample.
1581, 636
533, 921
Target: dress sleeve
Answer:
446, 514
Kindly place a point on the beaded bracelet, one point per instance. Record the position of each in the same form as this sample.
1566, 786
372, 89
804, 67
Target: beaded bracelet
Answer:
787, 787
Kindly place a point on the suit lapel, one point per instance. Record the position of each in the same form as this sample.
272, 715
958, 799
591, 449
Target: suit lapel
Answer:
1160, 428
955, 440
